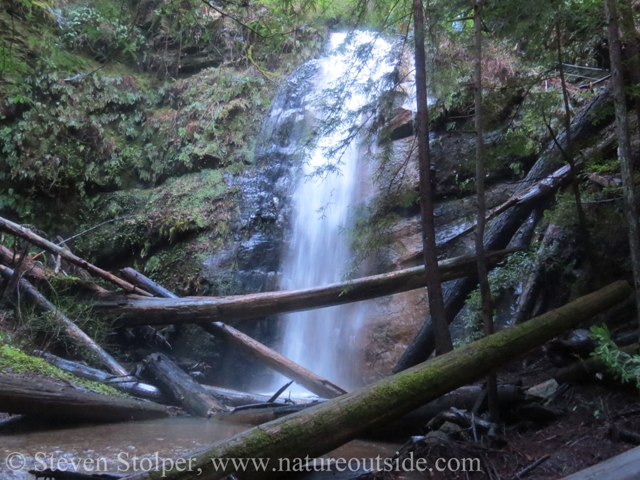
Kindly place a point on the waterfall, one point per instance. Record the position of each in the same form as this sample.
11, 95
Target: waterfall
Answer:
318, 253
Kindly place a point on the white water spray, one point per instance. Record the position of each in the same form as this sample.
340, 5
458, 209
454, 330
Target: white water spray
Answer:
324, 340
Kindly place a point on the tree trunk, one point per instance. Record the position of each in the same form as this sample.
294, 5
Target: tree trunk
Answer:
28, 235
76, 335
483, 270
624, 143
134, 311
181, 387
504, 227
625, 466
44, 398
146, 283
309, 380
320, 429
569, 153
129, 385
432, 273
235, 398
632, 57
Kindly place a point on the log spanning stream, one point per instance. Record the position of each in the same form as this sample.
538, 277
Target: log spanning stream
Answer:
318, 252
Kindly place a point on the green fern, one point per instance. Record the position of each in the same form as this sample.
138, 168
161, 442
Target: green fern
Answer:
623, 366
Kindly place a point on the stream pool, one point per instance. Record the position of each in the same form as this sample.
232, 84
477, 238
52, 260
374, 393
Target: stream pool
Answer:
121, 448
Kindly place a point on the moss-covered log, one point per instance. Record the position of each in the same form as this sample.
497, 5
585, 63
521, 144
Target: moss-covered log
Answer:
42, 397
309, 380
129, 385
134, 310
322, 428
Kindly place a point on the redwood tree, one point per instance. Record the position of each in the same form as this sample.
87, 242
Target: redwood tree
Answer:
624, 142
483, 271
434, 287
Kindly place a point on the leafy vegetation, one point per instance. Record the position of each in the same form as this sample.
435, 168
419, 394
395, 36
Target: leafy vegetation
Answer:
623, 366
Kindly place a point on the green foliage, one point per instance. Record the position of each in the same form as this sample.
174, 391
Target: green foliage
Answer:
623, 366
105, 29
502, 278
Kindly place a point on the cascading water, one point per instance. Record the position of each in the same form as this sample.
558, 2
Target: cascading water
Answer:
318, 251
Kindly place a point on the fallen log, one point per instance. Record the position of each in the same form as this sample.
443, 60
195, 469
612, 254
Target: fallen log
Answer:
134, 310
322, 428
587, 369
309, 380
531, 196
40, 273
146, 283
28, 235
181, 387
226, 396
235, 398
128, 384
44, 398
259, 414
272, 359
625, 466
71, 329
502, 229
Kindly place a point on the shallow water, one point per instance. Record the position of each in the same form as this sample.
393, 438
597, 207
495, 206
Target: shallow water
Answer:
126, 447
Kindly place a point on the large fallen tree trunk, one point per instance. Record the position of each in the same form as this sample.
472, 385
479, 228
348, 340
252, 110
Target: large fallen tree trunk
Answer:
235, 398
502, 229
128, 385
226, 396
45, 398
625, 466
28, 235
80, 338
133, 310
181, 387
309, 380
39, 273
272, 359
322, 428
146, 283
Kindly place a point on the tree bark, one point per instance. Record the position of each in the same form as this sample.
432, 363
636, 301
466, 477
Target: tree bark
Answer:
504, 227
133, 310
483, 270
181, 387
37, 273
129, 385
569, 154
28, 235
71, 329
624, 143
42, 397
146, 283
309, 380
625, 466
320, 429
235, 398
432, 273
272, 359
632, 57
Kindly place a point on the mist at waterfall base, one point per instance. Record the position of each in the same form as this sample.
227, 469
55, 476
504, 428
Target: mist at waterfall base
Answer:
317, 252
